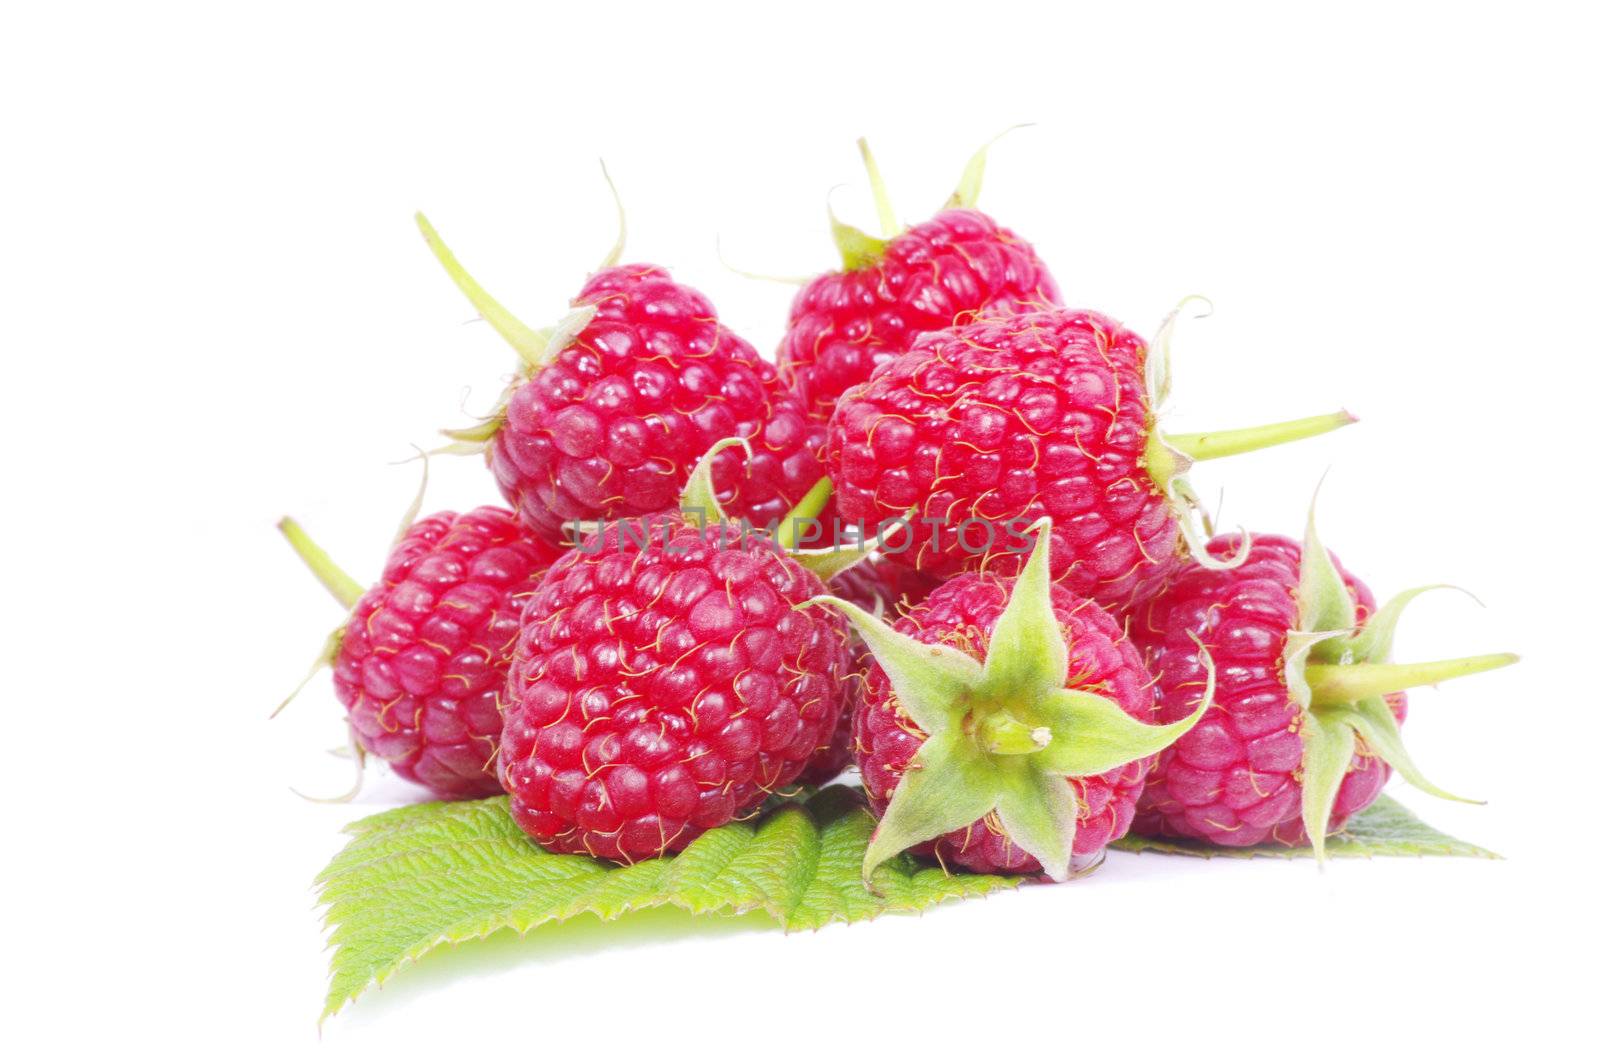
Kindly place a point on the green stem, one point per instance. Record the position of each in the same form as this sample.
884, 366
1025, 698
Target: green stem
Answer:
529, 344
1001, 734
816, 498
344, 588
1212, 445
1350, 683
887, 222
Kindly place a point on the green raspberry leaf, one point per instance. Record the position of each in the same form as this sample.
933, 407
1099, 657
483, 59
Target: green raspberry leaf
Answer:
413, 879
1384, 829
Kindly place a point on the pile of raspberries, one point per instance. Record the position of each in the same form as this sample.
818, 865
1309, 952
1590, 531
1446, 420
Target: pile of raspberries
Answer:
717, 578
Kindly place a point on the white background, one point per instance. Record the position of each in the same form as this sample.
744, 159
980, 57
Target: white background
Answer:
216, 310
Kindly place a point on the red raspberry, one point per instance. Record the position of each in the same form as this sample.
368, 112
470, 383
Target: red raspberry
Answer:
612, 412
948, 270
422, 661
979, 430
664, 683
1238, 777
963, 612
1002, 725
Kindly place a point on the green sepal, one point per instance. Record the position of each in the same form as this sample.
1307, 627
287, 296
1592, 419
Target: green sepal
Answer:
1322, 596
931, 681
1374, 722
971, 182
325, 657
1039, 811
473, 439
1027, 655
1374, 641
946, 787
1098, 735
857, 250
1329, 748
529, 344
698, 501
887, 222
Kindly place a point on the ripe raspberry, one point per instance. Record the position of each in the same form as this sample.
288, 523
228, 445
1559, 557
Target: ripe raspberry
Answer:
948, 270
663, 684
421, 663
613, 408
979, 430
1273, 764
1002, 725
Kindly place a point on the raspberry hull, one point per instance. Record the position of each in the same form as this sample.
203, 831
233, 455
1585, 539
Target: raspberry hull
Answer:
423, 659
1233, 780
963, 613
665, 688
948, 270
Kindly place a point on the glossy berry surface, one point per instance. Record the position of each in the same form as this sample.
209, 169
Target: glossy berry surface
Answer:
1234, 779
614, 423
664, 683
962, 613
948, 270
423, 659
838, 753
979, 430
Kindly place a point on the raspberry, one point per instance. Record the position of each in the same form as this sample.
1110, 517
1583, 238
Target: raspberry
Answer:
422, 661
979, 430
948, 270
1273, 765
664, 683
613, 409
1002, 725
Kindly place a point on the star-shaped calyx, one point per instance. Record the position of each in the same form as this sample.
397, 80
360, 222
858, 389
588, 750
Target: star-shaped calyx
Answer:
1006, 734
1338, 675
